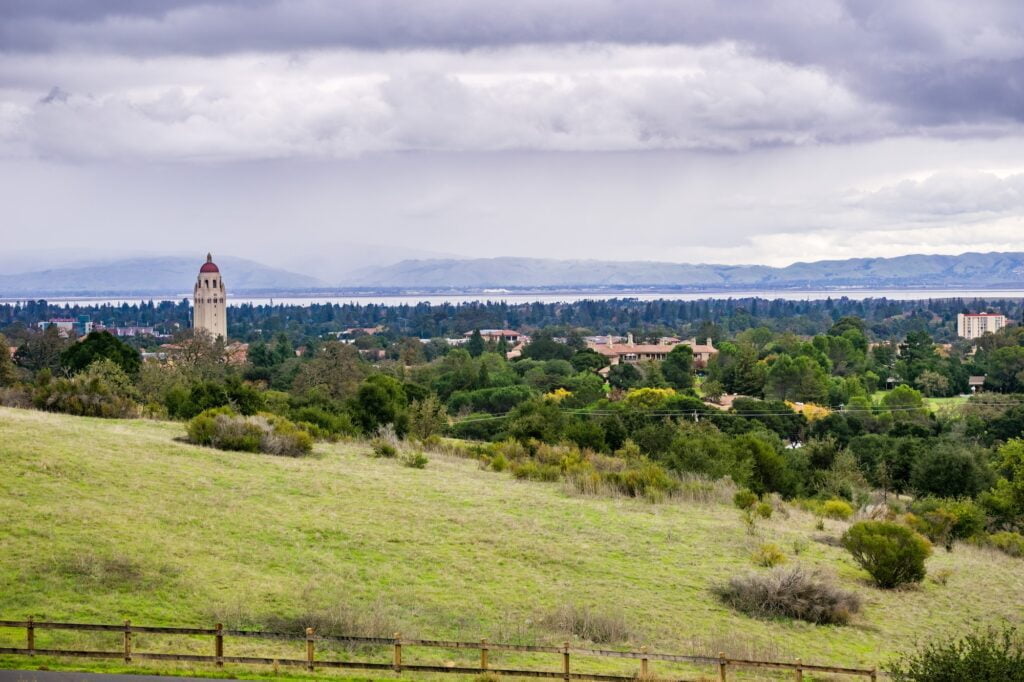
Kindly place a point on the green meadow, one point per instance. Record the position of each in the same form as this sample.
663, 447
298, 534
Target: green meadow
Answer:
107, 520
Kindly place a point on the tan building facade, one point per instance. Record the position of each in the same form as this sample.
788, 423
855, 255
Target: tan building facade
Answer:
631, 353
209, 299
973, 326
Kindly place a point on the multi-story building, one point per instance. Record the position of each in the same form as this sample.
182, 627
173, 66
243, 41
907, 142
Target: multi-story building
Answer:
631, 353
975, 325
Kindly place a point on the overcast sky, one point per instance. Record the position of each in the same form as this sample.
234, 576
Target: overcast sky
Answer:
687, 130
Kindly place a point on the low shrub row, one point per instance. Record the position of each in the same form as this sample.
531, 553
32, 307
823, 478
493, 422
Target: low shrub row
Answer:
223, 428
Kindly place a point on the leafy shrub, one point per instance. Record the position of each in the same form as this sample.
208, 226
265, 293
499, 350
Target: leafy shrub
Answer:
329, 423
769, 555
415, 460
498, 462
837, 509
1007, 543
944, 520
223, 428
283, 437
764, 510
893, 554
101, 390
744, 499
530, 470
991, 656
790, 593
645, 479
383, 448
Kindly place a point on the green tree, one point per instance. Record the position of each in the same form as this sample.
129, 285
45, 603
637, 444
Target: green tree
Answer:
427, 417
800, 379
1006, 369
8, 372
544, 347
539, 419
476, 345
931, 383
588, 360
99, 345
338, 368
905, 403
624, 376
677, 367
737, 368
42, 350
379, 401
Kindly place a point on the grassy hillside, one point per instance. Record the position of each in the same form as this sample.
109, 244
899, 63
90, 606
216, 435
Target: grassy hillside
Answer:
107, 520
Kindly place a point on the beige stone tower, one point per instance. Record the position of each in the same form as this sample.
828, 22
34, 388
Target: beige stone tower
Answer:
210, 301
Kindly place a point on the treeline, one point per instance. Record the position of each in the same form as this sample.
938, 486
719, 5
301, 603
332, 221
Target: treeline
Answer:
715, 318
553, 413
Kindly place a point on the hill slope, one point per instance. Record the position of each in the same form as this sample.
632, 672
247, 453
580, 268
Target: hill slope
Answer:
150, 275
105, 520
965, 270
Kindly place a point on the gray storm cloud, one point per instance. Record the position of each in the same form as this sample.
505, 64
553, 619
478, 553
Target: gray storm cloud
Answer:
725, 131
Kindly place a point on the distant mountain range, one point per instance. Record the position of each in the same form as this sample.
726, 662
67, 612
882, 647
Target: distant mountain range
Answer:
150, 275
966, 270
175, 275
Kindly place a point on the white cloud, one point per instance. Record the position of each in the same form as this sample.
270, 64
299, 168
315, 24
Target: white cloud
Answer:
961, 195
343, 104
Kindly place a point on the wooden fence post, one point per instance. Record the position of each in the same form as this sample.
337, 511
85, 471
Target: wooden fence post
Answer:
721, 666
643, 662
30, 635
127, 641
398, 652
565, 662
218, 645
798, 674
309, 649
483, 654
874, 674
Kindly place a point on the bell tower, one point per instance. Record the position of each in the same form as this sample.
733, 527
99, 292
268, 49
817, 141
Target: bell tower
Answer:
209, 298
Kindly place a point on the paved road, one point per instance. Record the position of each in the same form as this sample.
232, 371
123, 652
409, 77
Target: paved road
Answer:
62, 676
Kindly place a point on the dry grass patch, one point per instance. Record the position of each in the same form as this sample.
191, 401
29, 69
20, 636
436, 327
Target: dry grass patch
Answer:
790, 593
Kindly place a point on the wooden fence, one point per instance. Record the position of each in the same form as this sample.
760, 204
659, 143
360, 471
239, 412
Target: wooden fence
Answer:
722, 663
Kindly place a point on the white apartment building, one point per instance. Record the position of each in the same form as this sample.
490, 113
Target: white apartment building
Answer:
974, 325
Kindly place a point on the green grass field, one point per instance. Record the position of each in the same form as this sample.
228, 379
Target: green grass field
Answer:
111, 520
934, 404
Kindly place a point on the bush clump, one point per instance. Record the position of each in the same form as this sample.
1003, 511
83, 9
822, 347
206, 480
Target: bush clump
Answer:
764, 510
790, 593
837, 509
1006, 542
744, 499
945, 521
893, 554
992, 656
415, 460
383, 448
225, 429
590, 624
769, 555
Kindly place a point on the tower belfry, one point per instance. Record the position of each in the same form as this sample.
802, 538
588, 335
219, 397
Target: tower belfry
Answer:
210, 301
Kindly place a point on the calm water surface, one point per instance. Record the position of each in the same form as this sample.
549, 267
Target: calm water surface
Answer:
567, 297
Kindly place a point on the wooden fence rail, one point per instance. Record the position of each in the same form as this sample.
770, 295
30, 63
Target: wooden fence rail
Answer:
721, 662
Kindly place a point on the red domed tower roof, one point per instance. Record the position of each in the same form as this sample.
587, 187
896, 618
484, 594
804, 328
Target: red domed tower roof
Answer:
209, 265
